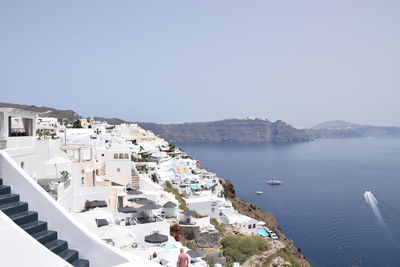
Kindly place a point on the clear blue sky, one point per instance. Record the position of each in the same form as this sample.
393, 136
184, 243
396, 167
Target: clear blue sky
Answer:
175, 61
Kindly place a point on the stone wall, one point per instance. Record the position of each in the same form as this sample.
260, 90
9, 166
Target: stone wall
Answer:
201, 239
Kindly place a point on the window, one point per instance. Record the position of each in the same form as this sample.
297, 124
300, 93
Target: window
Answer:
249, 226
18, 126
83, 180
126, 156
102, 155
121, 156
254, 225
115, 156
118, 170
22, 164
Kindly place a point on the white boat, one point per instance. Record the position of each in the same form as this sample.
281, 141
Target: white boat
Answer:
274, 182
259, 192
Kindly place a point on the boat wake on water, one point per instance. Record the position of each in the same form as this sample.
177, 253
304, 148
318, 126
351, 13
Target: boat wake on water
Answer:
373, 203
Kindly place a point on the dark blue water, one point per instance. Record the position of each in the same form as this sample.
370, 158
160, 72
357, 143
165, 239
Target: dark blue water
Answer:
321, 203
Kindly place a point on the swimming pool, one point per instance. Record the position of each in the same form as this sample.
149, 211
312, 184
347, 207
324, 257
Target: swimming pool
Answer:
194, 186
262, 232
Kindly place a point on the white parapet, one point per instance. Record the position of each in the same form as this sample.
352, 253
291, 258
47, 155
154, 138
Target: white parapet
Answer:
21, 249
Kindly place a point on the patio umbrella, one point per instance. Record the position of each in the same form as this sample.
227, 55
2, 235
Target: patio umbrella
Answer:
195, 253
144, 201
127, 210
170, 205
151, 206
189, 213
156, 238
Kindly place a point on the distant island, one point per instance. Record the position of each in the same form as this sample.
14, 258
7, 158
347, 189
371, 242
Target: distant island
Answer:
344, 129
254, 130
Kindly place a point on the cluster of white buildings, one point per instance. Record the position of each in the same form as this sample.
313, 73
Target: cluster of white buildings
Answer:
109, 183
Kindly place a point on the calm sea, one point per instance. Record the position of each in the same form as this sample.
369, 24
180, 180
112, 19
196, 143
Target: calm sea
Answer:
321, 203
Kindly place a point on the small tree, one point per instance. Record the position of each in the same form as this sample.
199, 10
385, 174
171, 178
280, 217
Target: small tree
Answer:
210, 260
154, 177
64, 175
77, 124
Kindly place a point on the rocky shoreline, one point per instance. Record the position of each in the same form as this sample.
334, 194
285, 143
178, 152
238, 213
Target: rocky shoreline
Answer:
253, 211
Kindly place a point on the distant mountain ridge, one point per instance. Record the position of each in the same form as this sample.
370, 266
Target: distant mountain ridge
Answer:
232, 130
344, 129
334, 124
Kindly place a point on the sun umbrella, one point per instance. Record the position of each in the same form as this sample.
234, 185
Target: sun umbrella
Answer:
127, 210
170, 205
156, 238
151, 206
144, 201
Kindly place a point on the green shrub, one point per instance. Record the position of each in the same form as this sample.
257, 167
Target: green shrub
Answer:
287, 256
219, 226
182, 202
239, 248
210, 261
154, 178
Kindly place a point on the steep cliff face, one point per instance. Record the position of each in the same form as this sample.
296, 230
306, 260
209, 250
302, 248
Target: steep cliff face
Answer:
255, 212
343, 129
233, 130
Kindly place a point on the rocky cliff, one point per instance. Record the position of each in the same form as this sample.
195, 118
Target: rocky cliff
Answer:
292, 255
232, 130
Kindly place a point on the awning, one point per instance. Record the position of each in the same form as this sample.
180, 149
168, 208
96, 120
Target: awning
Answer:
156, 238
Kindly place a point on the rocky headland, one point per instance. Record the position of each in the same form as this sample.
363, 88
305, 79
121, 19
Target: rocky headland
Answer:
231, 130
280, 253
